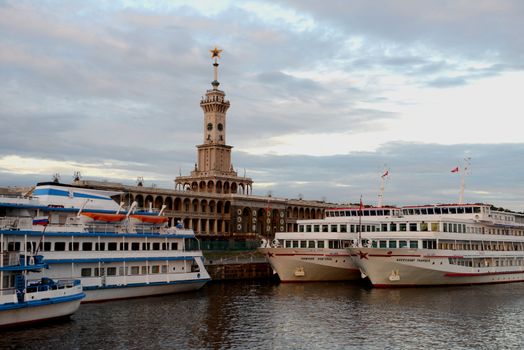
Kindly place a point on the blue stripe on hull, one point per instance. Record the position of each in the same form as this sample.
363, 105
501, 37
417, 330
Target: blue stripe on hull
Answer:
94, 234
43, 302
134, 285
108, 260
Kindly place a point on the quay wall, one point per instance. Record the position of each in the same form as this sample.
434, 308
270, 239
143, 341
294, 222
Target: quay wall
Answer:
249, 269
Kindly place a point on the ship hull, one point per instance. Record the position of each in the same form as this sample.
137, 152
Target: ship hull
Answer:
387, 268
311, 265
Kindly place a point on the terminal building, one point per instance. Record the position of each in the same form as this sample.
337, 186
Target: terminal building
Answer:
213, 200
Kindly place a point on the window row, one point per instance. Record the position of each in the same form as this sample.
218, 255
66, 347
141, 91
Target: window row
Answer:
331, 244
92, 246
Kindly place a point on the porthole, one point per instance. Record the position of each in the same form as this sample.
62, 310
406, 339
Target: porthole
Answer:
239, 227
239, 219
281, 214
209, 126
239, 211
254, 213
220, 127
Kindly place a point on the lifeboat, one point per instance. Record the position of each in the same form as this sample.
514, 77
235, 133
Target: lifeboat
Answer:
150, 219
105, 217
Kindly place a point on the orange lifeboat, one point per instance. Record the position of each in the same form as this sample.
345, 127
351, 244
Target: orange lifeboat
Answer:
105, 217
150, 219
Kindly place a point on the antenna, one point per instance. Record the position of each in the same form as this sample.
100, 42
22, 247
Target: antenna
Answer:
140, 181
56, 177
383, 177
465, 171
77, 176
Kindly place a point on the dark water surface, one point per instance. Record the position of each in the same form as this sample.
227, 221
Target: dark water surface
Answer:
254, 315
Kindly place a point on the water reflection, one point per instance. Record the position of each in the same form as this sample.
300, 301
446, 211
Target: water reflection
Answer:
255, 315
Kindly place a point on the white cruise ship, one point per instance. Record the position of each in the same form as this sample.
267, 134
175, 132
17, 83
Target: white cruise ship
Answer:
84, 234
457, 244
318, 251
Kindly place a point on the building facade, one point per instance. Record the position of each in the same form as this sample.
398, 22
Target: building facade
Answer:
213, 200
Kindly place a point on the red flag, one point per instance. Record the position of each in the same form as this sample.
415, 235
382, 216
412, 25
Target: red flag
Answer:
386, 173
361, 206
455, 170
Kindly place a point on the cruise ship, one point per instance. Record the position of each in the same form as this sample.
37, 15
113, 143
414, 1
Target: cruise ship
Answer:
318, 251
445, 244
84, 234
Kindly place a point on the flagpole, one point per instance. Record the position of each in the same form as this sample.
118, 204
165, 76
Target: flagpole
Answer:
360, 223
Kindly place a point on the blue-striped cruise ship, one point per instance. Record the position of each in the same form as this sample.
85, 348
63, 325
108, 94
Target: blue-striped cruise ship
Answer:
116, 253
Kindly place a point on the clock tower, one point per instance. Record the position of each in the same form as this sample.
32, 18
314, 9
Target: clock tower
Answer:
214, 170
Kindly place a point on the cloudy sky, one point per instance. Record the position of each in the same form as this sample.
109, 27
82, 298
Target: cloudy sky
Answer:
324, 95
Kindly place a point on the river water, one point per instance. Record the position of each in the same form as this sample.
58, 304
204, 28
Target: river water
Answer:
263, 315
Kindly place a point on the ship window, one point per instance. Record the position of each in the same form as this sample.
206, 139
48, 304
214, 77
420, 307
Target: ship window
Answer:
300, 228
308, 228
402, 227
303, 244
423, 226
320, 244
135, 246
295, 244
111, 271
99, 271
434, 226
445, 211
135, 270
311, 244
417, 211
324, 228
100, 246
454, 228
413, 226
452, 210
373, 213
423, 211
348, 213
146, 246
85, 272
393, 227
288, 244
334, 228
380, 212
402, 244
122, 271
476, 209
155, 269
60, 246
413, 244
334, 244
111, 246
430, 211
383, 244
384, 227
343, 228
392, 244
316, 228
366, 212
87, 246
386, 212
74, 246
352, 228
164, 268
469, 210
373, 244
156, 246
164, 246
145, 270
174, 246
437, 210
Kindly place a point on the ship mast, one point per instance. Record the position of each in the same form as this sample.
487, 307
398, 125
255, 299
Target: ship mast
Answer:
382, 187
465, 171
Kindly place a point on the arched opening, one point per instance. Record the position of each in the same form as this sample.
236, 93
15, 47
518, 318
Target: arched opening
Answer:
169, 203
226, 187
148, 201
210, 186
220, 207
187, 205
195, 205
159, 201
227, 207
234, 187
295, 213
203, 206
139, 199
219, 187
128, 199
241, 189
301, 214
177, 205
211, 206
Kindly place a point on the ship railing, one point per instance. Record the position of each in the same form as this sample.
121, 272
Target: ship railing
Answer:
10, 258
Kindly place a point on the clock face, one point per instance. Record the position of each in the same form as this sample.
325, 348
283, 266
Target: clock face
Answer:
209, 126
220, 127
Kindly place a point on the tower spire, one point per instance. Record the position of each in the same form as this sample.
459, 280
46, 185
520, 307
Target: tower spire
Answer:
215, 54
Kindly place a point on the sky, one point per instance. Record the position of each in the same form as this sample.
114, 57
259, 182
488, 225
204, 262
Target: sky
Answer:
325, 96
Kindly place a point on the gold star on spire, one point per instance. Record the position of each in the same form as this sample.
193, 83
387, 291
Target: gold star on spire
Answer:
215, 53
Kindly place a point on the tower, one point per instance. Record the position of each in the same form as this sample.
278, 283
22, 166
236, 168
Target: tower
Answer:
214, 170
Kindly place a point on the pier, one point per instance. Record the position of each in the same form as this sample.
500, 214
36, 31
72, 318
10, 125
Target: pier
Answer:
238, 268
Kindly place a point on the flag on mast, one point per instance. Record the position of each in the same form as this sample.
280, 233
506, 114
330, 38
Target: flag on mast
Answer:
455, 169
386, 173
